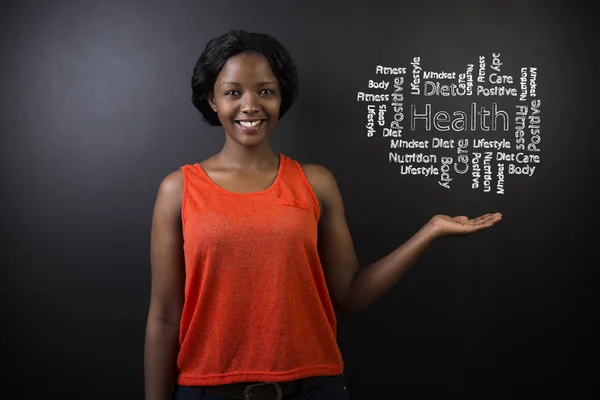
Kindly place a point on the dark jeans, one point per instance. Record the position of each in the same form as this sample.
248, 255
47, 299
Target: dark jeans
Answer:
331, 388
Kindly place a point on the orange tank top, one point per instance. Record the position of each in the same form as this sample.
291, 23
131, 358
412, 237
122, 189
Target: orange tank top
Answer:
256, 304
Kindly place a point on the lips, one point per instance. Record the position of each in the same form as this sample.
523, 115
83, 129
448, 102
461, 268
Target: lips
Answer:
250, 124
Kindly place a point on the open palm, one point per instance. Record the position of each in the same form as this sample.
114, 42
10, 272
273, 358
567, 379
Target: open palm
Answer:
461, 225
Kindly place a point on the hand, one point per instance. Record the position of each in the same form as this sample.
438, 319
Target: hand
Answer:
444, 225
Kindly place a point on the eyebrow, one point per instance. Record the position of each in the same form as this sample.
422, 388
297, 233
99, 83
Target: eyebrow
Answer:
259, 83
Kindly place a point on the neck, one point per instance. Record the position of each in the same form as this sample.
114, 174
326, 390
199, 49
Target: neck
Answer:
257, 157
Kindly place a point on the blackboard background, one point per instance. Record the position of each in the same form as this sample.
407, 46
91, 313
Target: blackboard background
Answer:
96, 111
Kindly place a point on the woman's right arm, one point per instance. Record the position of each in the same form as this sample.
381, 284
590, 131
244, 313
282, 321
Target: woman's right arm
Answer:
167, 290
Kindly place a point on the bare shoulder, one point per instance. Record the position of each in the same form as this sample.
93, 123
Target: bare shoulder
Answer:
170, 191
320, 178
324, 185
172, 183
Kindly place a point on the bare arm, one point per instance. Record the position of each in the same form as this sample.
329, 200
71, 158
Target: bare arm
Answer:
351, 287
167, 290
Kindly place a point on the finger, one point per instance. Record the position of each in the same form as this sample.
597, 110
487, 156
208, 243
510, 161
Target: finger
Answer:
492, 218
483, 219
487, 221
460, 218
472, 225
476, 220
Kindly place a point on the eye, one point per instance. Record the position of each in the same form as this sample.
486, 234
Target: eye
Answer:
232, 93
267, 91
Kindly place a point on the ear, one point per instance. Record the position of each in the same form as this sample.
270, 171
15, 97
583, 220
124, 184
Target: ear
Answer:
211, 100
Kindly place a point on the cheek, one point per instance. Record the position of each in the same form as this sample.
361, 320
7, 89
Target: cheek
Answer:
224, 108
274, 107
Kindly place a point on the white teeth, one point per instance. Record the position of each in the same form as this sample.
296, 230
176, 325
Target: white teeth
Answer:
249, 124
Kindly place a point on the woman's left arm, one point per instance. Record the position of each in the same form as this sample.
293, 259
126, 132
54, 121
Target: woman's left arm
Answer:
353, 288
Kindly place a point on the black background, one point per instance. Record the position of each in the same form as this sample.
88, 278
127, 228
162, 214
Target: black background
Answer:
96, 111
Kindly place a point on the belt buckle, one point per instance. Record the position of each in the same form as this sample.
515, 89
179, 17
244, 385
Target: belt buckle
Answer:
248, 395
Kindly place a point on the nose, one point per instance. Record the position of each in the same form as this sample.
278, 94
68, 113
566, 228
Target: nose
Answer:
250, 103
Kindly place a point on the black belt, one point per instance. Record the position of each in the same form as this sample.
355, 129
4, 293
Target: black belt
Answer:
263, 390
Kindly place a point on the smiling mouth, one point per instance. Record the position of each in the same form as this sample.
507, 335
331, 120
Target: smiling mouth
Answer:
250, 124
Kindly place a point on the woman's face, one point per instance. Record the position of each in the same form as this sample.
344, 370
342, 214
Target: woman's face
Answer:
246, 97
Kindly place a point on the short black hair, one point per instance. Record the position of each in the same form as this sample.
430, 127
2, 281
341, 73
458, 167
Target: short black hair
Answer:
218, 50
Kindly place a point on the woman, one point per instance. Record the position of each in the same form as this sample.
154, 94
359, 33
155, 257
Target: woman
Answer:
251, 252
